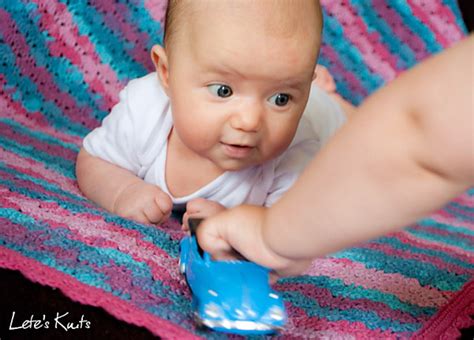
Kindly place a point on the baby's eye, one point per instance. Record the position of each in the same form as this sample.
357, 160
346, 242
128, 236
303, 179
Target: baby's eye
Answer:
220, 90
279, 99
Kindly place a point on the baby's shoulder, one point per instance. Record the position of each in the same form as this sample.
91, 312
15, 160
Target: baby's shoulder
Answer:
146, 92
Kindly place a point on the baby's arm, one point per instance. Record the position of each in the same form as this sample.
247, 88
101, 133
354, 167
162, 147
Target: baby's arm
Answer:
407, 151
120, 191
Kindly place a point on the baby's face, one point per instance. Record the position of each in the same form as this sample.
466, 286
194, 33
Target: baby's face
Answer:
239, 78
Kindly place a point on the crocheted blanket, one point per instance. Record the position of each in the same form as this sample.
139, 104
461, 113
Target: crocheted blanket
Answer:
62, 64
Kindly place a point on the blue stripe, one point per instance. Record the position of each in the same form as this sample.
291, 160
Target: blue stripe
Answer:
350, 56
453, 241
370, 319
40, 136
337, 287
149, 234
397, 244
412, 22
110, 46
58, 164
425, 273
401, 51
36, 102
64, 74
447, 227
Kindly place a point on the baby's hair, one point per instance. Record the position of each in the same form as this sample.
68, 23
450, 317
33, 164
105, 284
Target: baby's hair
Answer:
176, 9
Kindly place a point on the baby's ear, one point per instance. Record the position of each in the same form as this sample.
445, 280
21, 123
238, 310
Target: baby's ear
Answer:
160, 59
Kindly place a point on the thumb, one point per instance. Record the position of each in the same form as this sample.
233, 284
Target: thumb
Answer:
212, 238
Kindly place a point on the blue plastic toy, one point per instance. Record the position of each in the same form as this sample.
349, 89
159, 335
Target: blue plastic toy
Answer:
230, 296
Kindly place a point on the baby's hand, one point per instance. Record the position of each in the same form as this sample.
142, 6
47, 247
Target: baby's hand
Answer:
144, 203
200, 208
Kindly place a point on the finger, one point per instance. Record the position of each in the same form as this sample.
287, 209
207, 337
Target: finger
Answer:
164, 203
210, 240
185, 225
154, 214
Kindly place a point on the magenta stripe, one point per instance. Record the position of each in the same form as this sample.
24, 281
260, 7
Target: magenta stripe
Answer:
401, 30
453, 250
157, 9
51, 149
300, 323
325, 298
441, 232
38, 170
375, 54
436, 261
453, 317
337, 67
466, 200
80, 292
40, 76
425, 18
414, 241
445, 217
355, 273
32, 120
98, 233
99, 77
117, 20
442, 20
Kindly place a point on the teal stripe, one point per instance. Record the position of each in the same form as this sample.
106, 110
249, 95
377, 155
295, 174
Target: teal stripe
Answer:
454, 7
425, 273
350, 56
401, 51
40, 136
58, 164
111, 47
466, 208
453, 241
337, 287
64, 74
447, 227
397, 244
370, 319
16, 81
415, 25
149, 234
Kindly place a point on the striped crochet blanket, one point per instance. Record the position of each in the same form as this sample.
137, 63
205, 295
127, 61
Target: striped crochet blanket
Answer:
62, 64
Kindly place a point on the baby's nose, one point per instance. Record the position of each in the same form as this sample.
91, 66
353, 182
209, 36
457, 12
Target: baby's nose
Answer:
248, 118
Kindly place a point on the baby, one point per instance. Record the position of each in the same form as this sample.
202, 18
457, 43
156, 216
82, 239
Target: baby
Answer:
222, 121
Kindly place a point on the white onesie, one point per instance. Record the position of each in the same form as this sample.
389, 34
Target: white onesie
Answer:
134, 136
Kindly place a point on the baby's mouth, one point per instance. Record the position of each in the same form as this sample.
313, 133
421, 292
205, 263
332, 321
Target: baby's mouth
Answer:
237, 150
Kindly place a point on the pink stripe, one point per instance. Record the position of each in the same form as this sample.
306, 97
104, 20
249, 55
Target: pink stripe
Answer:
80, 292
98, 233
374, 53
325, 298
466, 200
306, 327
79, 50
441, 232
445, 217
33, 120
50, 149
439, 245
40, 76
404, 288
157, 10
118, 21
411, 239
337, 68
401, 30
389, 250
441, 20
38, 170
419, 12
455, 316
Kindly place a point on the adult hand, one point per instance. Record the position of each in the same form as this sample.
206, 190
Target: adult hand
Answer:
241, 230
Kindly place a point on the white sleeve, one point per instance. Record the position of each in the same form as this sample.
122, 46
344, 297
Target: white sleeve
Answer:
114, 141
321, 119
